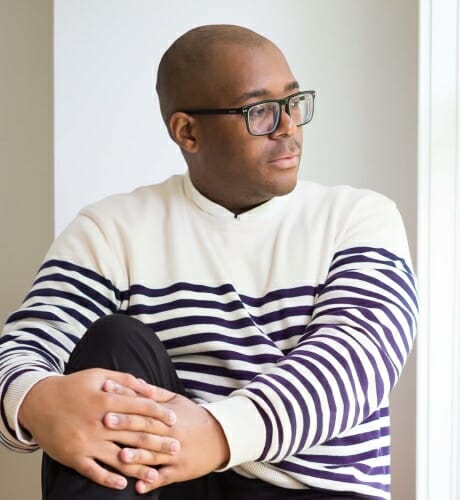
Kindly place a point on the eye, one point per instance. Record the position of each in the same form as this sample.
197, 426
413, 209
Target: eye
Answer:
259, 111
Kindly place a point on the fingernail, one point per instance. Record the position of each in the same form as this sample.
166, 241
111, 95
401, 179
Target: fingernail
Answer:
113, 419
142, 487
120, 483
151, 476
129, 454
174, 447
142, 381
171, 416
109, 385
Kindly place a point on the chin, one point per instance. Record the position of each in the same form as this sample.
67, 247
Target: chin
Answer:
283, 184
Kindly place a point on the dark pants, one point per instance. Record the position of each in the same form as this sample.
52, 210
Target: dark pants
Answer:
124, 344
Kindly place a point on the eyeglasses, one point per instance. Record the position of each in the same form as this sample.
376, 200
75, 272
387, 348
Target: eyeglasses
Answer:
263, 117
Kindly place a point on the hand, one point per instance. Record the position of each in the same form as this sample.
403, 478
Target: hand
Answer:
65, 416
203, 446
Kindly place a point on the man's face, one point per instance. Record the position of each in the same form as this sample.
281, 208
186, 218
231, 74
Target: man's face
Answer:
232, 167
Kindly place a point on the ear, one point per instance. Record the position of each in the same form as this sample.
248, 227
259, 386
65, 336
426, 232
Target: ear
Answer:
183, 128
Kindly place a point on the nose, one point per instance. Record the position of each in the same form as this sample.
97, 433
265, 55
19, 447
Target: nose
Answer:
286, 126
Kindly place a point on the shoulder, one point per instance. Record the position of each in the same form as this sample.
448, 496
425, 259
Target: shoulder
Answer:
140, 202
352, 216
311, 195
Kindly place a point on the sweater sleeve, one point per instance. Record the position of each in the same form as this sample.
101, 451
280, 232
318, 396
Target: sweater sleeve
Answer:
74, 287
351, 353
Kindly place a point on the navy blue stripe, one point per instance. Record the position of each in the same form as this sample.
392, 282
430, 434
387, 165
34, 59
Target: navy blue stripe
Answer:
399, 304
313, 393
80, 286
359, 371
87, 273
380, 251
366, 328
49, 338
275, 414
351, 460
283, 293
323, 380
169, 324
6, 384
201, 338
363, 376
83, 302
247, 357
358, 438
137, 309
410, 290
179, 287
242, 322
198, 385
218, 371
330, 475
266, 416
34, 347
31, 314
287, 333
300, 400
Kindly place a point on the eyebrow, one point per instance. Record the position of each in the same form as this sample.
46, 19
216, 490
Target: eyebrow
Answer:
264, 92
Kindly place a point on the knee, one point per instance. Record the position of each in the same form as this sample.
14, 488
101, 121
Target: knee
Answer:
117, 329
109, 342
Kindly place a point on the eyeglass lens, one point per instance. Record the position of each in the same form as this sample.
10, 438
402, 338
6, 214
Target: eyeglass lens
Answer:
264, 118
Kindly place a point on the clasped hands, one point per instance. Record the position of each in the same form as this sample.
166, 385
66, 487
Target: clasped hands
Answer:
100, 417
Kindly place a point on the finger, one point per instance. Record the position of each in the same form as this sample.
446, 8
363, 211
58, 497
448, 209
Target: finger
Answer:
140, 386
166, 475
135, 423
140, 456
146, 441
158, 394
127, 380
109, 454
115, 388
140, 406
89, 468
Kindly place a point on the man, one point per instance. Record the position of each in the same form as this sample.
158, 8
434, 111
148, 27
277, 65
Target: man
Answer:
228, 320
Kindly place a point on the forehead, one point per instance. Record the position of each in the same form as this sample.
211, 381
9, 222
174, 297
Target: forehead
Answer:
241, 74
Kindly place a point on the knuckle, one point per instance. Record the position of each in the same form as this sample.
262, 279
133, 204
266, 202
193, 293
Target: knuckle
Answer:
166, 477
90, 470
149, 423
129, 379
143, 439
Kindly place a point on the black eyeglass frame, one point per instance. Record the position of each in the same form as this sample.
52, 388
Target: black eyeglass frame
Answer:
244, 110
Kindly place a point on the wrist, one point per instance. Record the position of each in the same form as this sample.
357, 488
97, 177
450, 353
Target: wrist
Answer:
32, 401
221, 447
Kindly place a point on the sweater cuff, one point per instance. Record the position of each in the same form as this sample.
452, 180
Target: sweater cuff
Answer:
243, 427
14, 397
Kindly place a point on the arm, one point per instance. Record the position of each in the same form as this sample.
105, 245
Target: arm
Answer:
80, 281
351, 353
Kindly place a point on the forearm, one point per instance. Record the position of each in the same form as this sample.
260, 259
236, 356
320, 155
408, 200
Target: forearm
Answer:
342, 369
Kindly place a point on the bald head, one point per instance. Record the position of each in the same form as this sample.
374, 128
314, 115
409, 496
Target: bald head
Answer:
188, 71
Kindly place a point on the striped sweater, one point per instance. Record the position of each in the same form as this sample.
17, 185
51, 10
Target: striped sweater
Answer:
290, 323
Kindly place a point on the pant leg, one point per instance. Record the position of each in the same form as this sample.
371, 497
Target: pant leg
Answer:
119, 343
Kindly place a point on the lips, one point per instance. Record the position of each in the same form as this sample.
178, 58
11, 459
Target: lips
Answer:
285, 161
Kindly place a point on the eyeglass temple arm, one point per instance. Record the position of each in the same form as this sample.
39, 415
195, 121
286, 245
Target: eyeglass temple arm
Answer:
230, 111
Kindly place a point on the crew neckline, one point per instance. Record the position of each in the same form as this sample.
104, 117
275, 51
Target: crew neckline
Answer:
218, 211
